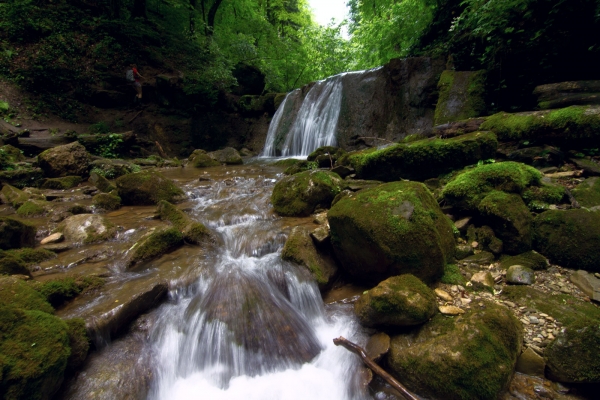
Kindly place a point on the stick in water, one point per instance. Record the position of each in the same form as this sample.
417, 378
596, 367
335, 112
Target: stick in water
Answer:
353, 347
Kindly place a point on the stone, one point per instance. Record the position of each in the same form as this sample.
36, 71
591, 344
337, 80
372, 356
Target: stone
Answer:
589, 167
470, 356
193, 232
481, 258
483, 279
112, 168
531, 363
300, 249
146, 188
13, 196
64, 183
451, 310
563, 94
67, 160
462, 224
53, 238
531, 259
343, 171
373, 240
86, 228
587, 193
461, 96
572, 356
321, 235
106, 201
463, 251
101, 183
378, 346
443, 295
520, 275
398, 301
588, 283
154, 245
15, 234
300, 194
228, 156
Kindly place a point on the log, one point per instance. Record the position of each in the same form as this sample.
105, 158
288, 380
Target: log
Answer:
356, 349
135, 116
567, 174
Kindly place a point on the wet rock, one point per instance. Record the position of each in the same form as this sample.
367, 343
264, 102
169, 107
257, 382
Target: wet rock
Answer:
54, 238
58, 247
475, 353
154, 245
572, 357
67, 160
398, 301
343, 171
422, 159
482, 258
321, 235
569, 238
64, 183
22, 177
462, 251
201, 159
483, 280
101, 183
378, 346
145, 188
15, 234
33, 208
588, 283
302, 193
193, 232
228, 156
112, 169
520, 275
373, 240
106, 201
443, 295
587, 193
86, 228
300, 249
531, 259
13, 196
462, 224
326, 156
531, 363
461, 96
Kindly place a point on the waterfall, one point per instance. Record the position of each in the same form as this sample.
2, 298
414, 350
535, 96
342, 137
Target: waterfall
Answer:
314, 125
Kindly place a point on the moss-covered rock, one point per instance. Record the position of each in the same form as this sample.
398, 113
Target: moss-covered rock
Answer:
468, 188
20, 294
79, 343
300, 249
147, 187
398, 301
539, 198
15, 234
193, 232
569, 238
587, 193
228, 156
32, 208
393, 229
15, 197
22, 177
300, 194
461, 96
107, 201
573, 126
201, 159
326, 156
67, 160
452, 275
32, 256
422, 159
471, 356
87, 228
530, 259
11, 265
154, 245
301, 166
112, 169
510, 219
64, 183
486, 239
101, 183
11, 154
59, 291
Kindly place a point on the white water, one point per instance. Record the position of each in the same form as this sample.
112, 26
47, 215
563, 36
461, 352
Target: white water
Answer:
270, 150
196, 350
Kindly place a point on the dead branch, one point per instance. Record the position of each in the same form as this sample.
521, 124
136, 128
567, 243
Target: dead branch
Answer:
374, 367
135, 116
161, 152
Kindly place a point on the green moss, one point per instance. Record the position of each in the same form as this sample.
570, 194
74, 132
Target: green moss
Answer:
11, 265
79, 343
587, 193
540, 197
155, 245
147, 187
467, 189
452, 275
287, 162
300, 194
423, 159
17, 293
32, 256
15, 234
530, 259
193, 232
15, 197
11, 153
196, 233
461, 96
107, 201
200, 159
570, 126
301, 166
31, 208
60, 291
65, 183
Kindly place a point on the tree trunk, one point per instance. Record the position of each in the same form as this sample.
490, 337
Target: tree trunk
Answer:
212, 13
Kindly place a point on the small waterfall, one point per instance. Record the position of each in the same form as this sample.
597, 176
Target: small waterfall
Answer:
314, 125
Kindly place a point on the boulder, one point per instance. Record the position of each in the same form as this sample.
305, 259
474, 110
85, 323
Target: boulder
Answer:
520, 275
539, 198
471, 356
563, 94
530, 259
531, 363
22, 177
33, 208
569, 238
587, 193
300, 166
193, 232
461, 96
201, 159
396, 228
154, 245
112, 169
15, 234
300, 194
86, 228
13, 196
228, 155
573, 356
300, 249
11, 265
67, 160
422, 159
378, 346
106, 201
326, 156
101, 183
589, 166
398, 301
145, 188
588, 283
64, 183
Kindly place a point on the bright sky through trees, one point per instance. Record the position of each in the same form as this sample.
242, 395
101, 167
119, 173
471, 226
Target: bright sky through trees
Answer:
324, 10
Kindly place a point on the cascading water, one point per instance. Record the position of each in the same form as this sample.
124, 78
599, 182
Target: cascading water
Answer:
253, 326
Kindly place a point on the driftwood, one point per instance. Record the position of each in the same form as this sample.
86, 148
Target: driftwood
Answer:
161, 152
566, 174
341, 341
135, 116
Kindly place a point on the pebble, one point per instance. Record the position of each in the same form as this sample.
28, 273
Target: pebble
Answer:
443, 295
465, 301
525, 321
534, 320
451, 310
510, 304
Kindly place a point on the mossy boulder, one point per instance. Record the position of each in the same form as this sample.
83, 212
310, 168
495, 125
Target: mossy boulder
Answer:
101, 183
422, 159
201, 159
326, 156
154, 245
510, 219
107, 201
300, 194
10, 154
569, 238
67, 160
193, 232
395, 228
398, 301
20, 294
33, 208
530, 259
486, 240
468, 188
79, 343
22, 177
15, 234
461, 96
301, 166
539, 198
572, 127
112, 169
471, 356
228, 156
64, 183
59, 291
11, 265
86, 228
15, 197
146, 187
587, 193
300, 249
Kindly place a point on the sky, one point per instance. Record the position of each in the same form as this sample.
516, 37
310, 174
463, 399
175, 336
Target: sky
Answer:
324, 10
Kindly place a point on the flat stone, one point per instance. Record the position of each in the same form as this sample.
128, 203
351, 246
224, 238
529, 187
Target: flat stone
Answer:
443, 295
534, 320
57, 247
320, 218
451, 310
531, 363
588, 283
483, 258
320, 235
462, 251
462, 224
520, 275
54, 238
378, 345
483, 278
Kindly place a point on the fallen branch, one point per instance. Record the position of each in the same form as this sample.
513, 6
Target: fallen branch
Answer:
161, 152
135, 116
374, 367
566, 174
